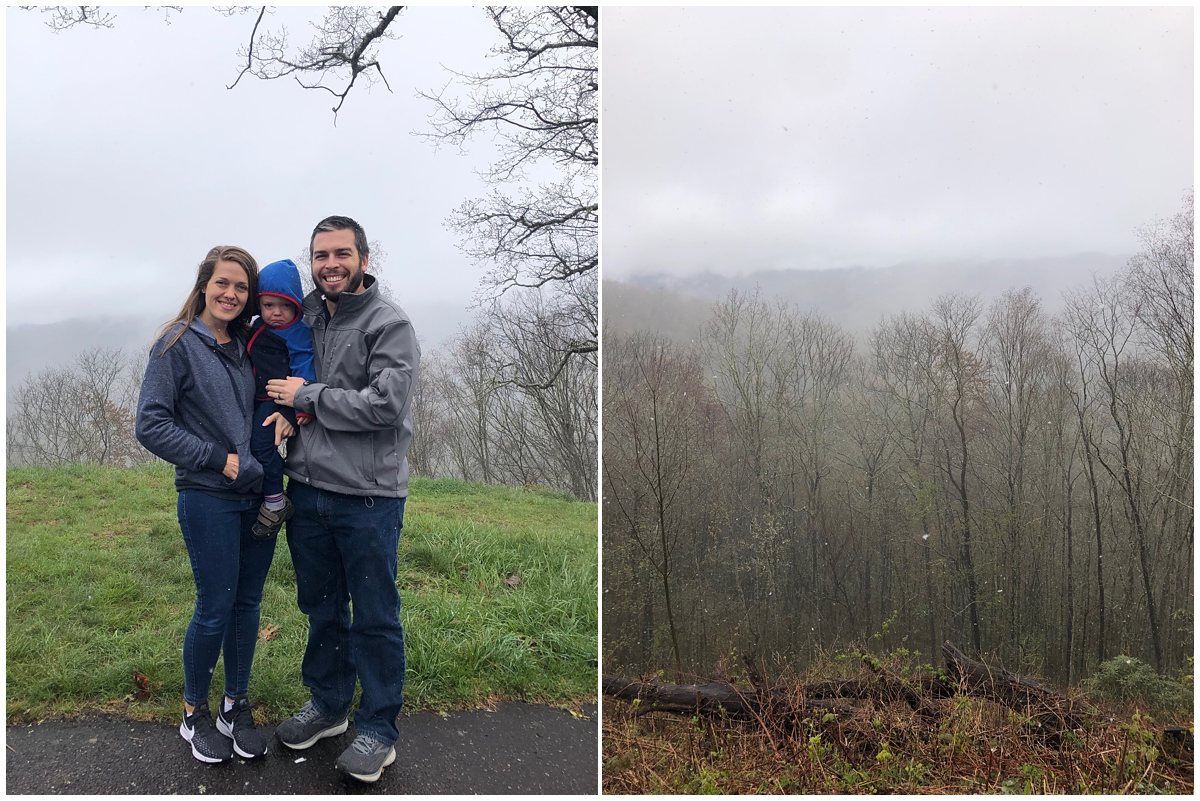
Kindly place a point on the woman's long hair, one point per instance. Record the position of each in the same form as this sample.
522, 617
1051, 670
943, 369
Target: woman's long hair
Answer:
195, 299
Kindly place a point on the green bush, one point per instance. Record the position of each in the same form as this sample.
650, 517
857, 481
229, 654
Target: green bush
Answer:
1126, 679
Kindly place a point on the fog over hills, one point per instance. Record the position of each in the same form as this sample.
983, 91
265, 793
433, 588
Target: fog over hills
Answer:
34, 347
853, 297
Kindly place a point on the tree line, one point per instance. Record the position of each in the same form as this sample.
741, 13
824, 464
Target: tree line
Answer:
467, 422
1014, 481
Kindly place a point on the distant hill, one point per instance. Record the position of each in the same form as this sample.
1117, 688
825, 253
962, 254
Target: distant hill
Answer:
853, 297
34, 347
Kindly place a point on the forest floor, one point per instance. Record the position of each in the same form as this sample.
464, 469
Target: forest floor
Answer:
960, 744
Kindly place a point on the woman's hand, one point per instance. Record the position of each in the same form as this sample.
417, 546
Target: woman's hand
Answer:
231, 467
283, 429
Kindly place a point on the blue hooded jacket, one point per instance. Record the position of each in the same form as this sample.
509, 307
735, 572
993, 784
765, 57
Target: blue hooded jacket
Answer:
195, 408
280, 352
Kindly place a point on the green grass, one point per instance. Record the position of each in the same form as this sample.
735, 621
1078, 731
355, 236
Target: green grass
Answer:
99, 586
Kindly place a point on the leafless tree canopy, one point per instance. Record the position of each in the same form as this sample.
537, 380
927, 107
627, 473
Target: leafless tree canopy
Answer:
540, 105
82, 414
469, 424
996, 476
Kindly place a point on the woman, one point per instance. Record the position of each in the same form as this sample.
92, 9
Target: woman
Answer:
195, 411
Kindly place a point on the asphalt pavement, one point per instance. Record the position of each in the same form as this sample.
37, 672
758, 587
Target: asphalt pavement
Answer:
517, 748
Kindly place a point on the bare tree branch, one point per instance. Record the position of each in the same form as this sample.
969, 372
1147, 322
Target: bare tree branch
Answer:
344, 41
249, 49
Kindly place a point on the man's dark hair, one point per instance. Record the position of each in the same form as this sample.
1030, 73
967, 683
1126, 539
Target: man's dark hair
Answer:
336, 223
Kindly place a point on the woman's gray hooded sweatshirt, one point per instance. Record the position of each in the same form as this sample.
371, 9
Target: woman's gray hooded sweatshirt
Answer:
195, 409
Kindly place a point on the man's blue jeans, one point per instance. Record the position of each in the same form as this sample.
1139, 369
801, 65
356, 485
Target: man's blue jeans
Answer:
344, 551
230, 567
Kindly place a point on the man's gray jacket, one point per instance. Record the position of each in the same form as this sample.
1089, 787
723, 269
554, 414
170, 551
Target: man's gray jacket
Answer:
366, 359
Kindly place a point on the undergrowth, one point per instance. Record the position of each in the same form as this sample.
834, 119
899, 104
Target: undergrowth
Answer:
961, 744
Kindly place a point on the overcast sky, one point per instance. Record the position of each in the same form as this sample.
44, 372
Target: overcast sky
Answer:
745, 139
128, 159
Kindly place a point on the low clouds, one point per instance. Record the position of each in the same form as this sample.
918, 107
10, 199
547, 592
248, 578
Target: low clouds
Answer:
744, 139
128, 159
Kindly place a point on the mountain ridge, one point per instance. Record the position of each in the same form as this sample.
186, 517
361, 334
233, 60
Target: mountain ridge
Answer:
855, 298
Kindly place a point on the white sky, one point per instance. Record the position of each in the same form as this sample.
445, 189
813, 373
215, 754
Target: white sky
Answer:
128, 159
745, 139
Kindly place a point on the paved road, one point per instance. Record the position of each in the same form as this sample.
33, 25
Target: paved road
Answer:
518, 748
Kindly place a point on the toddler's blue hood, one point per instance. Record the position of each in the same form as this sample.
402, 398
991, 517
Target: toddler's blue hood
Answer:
281, 278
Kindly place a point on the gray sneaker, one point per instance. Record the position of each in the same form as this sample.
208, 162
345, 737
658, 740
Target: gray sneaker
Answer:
307, 726
366, 758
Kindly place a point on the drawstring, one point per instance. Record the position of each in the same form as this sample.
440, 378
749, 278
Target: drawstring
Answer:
370, 502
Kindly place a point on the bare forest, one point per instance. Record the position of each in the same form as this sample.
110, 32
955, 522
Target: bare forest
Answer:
1017, 482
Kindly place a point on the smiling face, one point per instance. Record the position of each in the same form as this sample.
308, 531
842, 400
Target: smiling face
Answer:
336, 264
225, 295
276, 312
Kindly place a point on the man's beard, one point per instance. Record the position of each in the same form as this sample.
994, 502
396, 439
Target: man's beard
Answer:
353, 282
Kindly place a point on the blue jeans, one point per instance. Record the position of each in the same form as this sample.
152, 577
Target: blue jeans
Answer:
230, 567
344, 551
262, 445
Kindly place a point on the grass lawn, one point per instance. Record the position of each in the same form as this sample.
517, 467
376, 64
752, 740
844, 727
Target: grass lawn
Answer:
99, 588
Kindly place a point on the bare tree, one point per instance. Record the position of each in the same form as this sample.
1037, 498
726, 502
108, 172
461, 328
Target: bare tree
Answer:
1104, 324
540, 106
529, 332
82, 414
1017, 348
654, 403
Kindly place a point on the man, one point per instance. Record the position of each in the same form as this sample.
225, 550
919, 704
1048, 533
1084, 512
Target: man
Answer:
348, 473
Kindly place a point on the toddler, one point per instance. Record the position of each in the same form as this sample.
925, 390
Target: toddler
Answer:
280, 345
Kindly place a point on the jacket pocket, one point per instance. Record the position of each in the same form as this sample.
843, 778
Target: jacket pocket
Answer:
250, 472
385, 459
367, 444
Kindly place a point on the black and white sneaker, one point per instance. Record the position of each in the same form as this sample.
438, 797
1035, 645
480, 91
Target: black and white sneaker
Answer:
207, 743
238, 725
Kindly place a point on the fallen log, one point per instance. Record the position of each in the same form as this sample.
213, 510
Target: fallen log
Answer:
1048, 711
717, 698
976, 678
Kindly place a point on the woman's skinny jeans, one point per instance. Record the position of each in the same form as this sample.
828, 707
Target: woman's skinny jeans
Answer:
230, 568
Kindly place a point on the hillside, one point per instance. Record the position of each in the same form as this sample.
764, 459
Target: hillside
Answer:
853, 297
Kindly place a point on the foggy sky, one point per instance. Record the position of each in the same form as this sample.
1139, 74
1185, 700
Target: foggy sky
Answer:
745, 139
128, 159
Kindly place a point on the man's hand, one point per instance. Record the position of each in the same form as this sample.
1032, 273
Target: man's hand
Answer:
231, 467
283, 390
303, 421
283, 429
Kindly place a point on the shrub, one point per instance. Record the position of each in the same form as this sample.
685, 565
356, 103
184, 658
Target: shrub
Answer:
1130, 680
